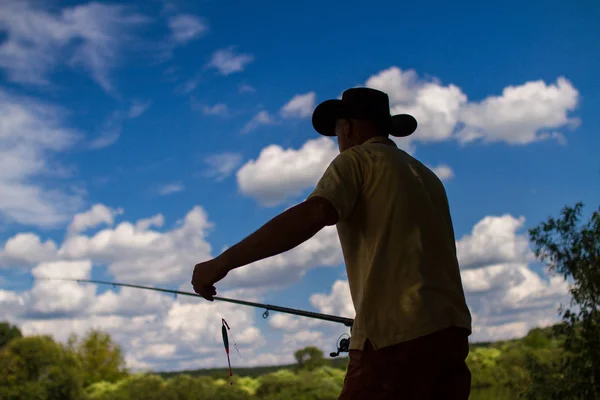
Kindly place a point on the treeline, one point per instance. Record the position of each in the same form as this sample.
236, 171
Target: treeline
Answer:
559, 362
93, 368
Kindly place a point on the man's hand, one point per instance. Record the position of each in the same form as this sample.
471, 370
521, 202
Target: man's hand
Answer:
206, 274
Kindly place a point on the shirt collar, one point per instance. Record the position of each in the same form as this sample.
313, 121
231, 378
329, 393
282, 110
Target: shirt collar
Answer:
381, 139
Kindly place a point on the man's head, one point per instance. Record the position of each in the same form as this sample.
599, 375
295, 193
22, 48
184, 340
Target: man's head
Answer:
352, 132
361, 114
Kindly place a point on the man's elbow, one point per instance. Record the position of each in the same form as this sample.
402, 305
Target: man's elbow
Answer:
321, 211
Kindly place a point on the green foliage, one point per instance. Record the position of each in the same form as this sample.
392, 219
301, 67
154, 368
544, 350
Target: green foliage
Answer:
572, 250
8, 332
38, 367
101, 359
185, 387
310, 358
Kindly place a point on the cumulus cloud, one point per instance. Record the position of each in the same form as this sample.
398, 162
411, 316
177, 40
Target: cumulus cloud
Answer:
300, 106
91, 36
138, 251
338, 302
494, 240
523, 114
32, 133
279, 174
55, 298
227, 61
433, 105
134, 251
97, 215
25, 249
157, 331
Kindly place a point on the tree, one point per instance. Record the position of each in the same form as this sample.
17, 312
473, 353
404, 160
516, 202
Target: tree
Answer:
141, 386
7, 333
184, 387
572, 250
310, 357
101, 359
38, 367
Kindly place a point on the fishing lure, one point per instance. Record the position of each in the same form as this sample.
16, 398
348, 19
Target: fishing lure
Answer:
224, 328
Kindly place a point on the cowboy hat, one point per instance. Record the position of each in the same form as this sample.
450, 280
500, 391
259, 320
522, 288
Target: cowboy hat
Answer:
362, 103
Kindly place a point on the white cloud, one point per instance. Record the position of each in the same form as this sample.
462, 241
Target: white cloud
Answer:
27, 249
300, 106
220, 166
339, 302
53, 298
494, 240
279, 174
443, 172
186, 27
31, 133
143, 224
91, 36
134, 251
262, 118
170, 188
227, 62
157, 331
97, 215
521, 115
434, 106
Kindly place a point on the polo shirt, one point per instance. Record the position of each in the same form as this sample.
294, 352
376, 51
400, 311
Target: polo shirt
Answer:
398, 244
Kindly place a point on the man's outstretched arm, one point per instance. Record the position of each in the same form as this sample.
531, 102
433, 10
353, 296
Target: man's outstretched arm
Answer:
284, 232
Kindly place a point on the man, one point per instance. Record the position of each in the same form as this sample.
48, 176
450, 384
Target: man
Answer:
410, 333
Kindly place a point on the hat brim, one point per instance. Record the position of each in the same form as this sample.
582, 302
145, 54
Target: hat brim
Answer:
328, 112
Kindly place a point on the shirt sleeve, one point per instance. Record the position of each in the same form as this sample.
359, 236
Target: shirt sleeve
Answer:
342, 183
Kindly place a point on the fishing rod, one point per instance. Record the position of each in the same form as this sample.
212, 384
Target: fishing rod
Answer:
342, 345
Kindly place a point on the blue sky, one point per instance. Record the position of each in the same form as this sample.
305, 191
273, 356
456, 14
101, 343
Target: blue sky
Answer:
113, 114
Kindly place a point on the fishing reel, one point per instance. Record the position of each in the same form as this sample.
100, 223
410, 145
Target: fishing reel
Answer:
343, 346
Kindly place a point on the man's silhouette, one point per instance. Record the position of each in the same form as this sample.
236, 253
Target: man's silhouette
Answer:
410, 333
